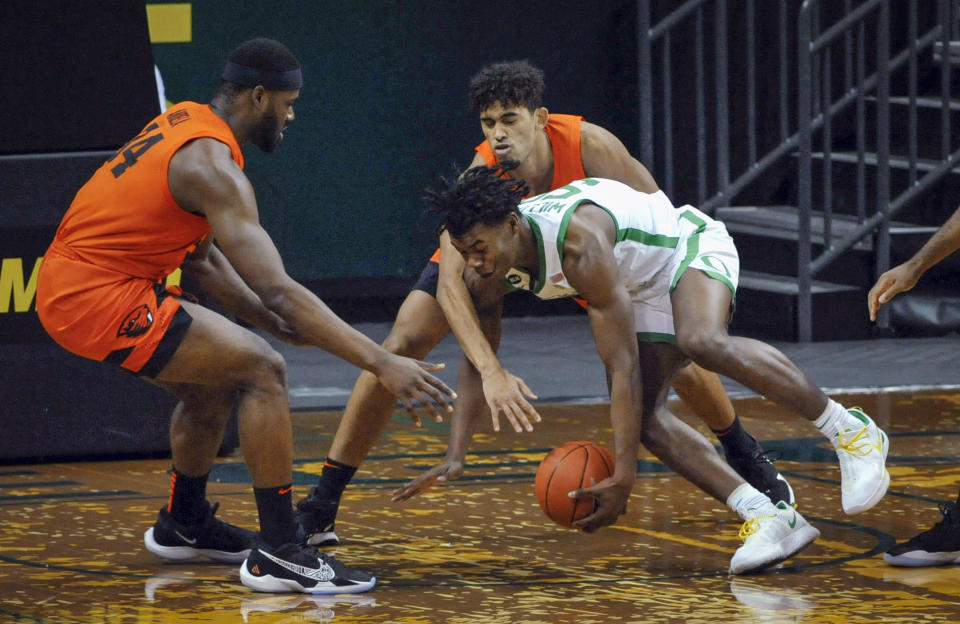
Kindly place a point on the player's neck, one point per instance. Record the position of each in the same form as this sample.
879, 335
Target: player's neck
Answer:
537, 168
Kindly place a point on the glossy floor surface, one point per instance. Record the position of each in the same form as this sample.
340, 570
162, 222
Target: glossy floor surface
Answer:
480, 550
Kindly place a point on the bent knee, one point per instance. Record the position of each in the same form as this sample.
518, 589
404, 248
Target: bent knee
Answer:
262, 368
703, 346
415, 342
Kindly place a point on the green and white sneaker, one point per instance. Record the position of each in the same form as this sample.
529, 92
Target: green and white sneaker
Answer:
862, 451
776, 533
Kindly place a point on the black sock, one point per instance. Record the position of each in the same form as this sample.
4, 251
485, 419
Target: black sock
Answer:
735, 439
334, 478
188, 498
275, 506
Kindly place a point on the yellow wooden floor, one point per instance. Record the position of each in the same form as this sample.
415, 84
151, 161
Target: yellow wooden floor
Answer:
480, 550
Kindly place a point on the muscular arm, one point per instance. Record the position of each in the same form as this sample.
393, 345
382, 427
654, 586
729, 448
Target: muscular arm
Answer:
504, 392
204, 179
590, 267
211, 270
903, 277
605, 156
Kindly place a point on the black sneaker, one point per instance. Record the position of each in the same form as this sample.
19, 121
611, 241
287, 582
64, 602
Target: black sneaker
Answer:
316, 516
298, 568
168, 539
937, 546
756, 469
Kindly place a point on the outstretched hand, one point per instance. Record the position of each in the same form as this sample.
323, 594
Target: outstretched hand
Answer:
410, 380
447, 471
508, 394
610, 498
893, 282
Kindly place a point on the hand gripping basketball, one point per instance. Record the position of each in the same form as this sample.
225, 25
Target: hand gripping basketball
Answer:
583, 468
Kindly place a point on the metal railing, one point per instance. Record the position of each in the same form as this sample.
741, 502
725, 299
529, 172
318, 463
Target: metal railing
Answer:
825, 69
817, 108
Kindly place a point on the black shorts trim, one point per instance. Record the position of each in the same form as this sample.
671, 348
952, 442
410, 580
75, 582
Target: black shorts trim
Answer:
168, 344
429, 277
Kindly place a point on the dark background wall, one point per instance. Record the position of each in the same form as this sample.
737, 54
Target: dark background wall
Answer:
384, 110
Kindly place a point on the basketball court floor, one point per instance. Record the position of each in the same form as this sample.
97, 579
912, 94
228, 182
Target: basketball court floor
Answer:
480, 550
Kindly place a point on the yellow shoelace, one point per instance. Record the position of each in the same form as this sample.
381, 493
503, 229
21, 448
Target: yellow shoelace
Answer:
750, 527
856, 445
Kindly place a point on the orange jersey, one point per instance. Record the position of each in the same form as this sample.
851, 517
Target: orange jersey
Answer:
564, 134
124, 218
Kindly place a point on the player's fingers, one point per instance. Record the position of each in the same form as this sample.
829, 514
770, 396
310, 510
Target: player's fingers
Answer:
411, 410
438, 397
409, 491
494, 417
430, 366
529, 414
524, 388
519, 417
512, 418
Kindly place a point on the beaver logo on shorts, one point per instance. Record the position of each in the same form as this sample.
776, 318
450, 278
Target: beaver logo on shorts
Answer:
137, 323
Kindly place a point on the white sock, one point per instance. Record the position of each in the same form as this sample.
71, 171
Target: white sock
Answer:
833, 420
749, 502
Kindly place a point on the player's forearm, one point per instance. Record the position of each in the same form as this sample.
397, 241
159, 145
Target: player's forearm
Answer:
625, 409
318, 325
944, 242
462, 316
467, 411
224, 286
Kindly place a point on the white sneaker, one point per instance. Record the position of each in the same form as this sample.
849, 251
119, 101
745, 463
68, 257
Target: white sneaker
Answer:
769, 539
863, 454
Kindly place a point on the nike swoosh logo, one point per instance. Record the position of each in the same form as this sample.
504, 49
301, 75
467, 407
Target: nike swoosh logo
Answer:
285, 491
793, 521
321, 574
185, 538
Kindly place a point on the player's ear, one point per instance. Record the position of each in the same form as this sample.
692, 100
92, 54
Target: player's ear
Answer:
541, 114
258, 96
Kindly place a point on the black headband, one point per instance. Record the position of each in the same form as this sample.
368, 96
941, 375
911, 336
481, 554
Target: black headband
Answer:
271, 80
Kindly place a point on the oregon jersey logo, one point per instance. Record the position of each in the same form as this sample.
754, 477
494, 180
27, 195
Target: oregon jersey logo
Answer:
137, 323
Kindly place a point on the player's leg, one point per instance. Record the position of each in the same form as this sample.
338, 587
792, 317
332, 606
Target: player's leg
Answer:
419, 326
703, 392
227, 359
772, 533
186, 526
701, 307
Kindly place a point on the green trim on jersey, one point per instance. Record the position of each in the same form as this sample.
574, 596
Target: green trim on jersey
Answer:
646, 238
656, 337
541, 257
693, 245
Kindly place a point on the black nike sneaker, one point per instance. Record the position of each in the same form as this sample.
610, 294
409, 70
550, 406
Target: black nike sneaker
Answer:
756, 469
939, 545
316, 516
298, 568
212, 538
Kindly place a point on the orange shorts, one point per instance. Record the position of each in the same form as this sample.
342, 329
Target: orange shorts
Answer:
108, 316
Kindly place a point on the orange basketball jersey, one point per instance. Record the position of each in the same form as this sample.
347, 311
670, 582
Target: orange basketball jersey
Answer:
99, 291
124, 218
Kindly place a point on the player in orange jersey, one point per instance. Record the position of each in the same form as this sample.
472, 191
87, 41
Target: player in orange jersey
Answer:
550, 150
159, 202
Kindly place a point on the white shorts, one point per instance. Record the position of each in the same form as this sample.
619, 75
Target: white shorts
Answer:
705, 246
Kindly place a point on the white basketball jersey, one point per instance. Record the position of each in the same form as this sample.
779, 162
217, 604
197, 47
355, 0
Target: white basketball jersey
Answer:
649, 233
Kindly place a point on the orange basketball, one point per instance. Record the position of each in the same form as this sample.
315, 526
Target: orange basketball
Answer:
569, 467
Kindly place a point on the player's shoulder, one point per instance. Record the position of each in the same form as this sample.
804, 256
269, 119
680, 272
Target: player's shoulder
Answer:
205, 165
593, 135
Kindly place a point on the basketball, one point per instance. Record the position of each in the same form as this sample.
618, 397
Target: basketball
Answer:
569, 467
